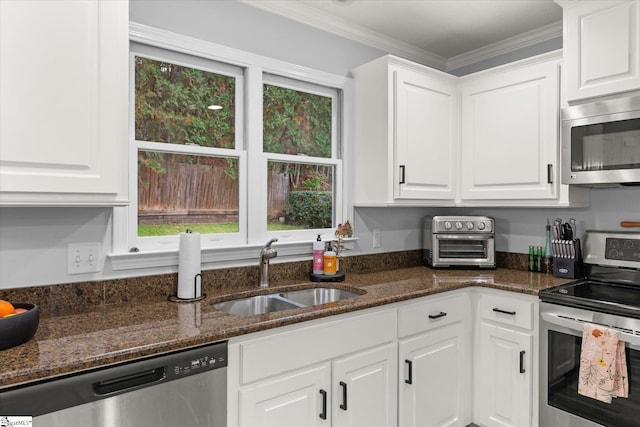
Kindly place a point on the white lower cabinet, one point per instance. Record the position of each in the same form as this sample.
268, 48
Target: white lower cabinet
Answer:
424, 363
435, 365
363, 389
506, 359
505, 375
296, 399
328, 373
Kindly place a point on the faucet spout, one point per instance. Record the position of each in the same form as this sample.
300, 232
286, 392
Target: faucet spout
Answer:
266, 253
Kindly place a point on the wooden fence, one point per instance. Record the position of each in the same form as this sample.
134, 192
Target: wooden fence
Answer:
192, 193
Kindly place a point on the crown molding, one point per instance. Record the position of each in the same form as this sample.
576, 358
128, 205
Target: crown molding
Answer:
530, 38
338, 26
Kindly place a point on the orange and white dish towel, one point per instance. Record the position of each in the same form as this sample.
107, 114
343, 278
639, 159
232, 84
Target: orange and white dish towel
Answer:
603, 364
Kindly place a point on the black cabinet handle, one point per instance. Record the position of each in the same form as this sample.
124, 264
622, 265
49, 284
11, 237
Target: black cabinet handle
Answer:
437, 316
401, 174
522, 371
549, 173
323, 414
343, 406
410, 379
510, 313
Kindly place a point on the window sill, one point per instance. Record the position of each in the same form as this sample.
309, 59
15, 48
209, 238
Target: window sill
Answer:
236, 256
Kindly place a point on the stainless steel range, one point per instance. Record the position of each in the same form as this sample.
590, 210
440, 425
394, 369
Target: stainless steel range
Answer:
609, 295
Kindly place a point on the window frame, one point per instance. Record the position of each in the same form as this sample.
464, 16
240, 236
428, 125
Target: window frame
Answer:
253, 230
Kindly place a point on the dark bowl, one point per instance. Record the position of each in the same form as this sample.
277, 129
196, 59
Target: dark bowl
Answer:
19, 328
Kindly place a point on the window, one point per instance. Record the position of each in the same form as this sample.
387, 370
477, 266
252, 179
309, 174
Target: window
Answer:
240, 153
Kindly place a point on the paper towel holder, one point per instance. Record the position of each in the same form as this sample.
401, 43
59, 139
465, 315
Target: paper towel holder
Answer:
175, 298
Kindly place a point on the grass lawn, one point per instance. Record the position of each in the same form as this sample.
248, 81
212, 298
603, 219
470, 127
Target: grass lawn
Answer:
146, 230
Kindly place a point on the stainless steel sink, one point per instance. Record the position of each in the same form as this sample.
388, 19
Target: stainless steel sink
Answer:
262, 304
316, 296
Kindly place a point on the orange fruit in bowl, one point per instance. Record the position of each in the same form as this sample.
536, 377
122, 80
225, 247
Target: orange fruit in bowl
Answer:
6, 308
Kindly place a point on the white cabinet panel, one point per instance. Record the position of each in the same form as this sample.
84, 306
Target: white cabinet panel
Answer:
425, 136
505, 374
64, 104
602, 48
364, 392
509, 136
294, 400
435, 378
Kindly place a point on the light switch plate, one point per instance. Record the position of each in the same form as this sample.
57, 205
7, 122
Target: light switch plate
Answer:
83, 258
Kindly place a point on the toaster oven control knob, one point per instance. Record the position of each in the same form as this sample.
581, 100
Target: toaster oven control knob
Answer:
469, 225
458, 225
481, 226
447, 225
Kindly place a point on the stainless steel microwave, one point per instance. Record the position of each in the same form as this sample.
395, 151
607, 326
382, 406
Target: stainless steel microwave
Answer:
601, 143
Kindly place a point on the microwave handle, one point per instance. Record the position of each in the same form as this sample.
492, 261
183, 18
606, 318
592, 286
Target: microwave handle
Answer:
577, 326
549, 173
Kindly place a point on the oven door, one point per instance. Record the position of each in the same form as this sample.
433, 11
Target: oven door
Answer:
560, 404
463, 250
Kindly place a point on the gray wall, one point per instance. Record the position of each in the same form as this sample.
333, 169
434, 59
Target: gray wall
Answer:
33, 241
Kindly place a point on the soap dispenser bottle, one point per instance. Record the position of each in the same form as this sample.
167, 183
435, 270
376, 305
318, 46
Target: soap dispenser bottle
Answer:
318, 256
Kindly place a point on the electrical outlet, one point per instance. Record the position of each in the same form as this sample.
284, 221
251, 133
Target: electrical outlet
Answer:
376, 238
83, 258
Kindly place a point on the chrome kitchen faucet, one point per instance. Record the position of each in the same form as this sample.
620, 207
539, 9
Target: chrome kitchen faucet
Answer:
266, 254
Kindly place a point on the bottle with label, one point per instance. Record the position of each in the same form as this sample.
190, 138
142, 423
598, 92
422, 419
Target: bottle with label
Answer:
318, 256
330, 263
532, 258
547, 263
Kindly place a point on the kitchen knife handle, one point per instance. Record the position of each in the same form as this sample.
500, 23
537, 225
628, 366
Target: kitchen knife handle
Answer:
510, 313
549, 173
343, 405
409, 363
323, 414
401, 174
630, 224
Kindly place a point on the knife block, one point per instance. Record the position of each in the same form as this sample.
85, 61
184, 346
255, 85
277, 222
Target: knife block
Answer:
569, 268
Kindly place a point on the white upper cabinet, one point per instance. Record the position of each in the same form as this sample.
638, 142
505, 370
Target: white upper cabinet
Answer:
509, 142
423, 137
602, 47
405, 146
64, 104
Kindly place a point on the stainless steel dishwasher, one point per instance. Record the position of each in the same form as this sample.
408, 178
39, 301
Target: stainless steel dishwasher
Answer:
187, 388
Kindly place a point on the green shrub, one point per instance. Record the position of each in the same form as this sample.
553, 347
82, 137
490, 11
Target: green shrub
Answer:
312, 209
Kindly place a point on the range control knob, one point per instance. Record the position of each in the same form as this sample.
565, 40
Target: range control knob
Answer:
469, 225
458, 225
481, 226
447, 225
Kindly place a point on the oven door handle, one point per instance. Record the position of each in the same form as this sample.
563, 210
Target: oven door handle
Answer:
463, 236
577, 326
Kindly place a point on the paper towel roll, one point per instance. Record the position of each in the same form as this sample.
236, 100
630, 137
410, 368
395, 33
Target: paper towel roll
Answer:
189, 273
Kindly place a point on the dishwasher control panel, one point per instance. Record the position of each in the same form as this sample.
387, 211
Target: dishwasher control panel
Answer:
198, 360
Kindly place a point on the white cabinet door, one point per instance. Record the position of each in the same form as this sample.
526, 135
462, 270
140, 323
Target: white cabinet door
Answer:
364, 388
509, 141
505, 375
434, 379
602, 48
64, 104
425, 139
296, 400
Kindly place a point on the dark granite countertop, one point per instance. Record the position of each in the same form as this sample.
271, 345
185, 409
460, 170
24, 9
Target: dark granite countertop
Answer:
114, 333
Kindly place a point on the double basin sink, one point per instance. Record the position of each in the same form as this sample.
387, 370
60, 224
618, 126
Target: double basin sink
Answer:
263, 304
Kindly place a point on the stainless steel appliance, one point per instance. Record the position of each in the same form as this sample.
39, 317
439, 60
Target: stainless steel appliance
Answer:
601, 143
187, 388
459, 241
609, 295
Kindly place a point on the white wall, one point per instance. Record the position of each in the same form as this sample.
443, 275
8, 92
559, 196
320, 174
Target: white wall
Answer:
33, 241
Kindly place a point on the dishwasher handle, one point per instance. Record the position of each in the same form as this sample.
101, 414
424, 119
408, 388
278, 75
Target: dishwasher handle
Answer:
131, 381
